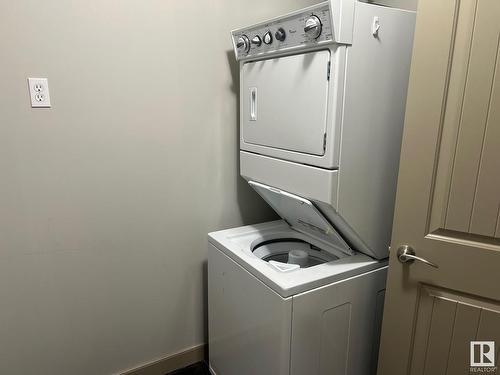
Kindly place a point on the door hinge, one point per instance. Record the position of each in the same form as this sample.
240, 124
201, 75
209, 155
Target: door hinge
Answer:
324, 142
328, 71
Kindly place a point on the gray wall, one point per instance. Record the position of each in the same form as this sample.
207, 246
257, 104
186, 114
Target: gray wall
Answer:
106, 199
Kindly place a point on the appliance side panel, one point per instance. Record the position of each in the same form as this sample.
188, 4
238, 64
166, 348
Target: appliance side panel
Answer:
336, 328
375, 98
379, 312
246, 320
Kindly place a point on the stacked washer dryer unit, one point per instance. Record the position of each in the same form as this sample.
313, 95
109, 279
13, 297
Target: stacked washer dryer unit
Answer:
322, 99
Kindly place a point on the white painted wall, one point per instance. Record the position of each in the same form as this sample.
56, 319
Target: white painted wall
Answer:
106, 199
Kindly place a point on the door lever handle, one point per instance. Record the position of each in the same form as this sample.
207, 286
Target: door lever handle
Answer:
406, 254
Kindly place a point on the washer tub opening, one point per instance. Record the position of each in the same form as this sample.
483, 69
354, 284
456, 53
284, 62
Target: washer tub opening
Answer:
279, 249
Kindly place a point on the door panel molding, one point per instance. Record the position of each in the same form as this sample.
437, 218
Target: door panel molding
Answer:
446, 323
453, 97
466, 195
465, 239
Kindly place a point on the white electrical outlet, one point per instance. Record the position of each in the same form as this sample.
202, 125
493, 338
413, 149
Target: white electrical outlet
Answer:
39, 92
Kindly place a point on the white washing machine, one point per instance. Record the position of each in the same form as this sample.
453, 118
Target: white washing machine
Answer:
320, 319
322, 99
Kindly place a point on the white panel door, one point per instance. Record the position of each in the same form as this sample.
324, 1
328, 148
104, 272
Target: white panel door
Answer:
284, 102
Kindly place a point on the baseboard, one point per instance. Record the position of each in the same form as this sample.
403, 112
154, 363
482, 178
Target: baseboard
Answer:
170, 363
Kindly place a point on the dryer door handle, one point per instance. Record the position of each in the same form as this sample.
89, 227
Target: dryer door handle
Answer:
253, 103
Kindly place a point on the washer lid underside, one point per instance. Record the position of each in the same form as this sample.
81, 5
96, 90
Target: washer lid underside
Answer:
301, 215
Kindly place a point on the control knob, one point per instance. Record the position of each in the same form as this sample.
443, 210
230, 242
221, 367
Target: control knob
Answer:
268, 38
313, 27
256, 40
280, 34
243, 44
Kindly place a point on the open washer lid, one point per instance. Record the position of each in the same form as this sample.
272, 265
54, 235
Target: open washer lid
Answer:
301, 215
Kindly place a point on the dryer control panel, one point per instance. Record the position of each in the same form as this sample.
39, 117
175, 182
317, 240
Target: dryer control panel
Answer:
305, 28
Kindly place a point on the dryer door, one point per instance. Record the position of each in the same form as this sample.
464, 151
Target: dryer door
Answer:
284, 102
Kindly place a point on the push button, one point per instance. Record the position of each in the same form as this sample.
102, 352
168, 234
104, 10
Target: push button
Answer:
280, 34
268, 38
256, 40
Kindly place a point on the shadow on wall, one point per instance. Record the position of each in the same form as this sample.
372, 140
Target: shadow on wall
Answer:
252, 208
246, 197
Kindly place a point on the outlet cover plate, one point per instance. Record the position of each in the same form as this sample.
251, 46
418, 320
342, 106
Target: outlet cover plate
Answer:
39, 92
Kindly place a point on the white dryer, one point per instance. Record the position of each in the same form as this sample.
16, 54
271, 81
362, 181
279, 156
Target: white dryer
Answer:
322, 99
